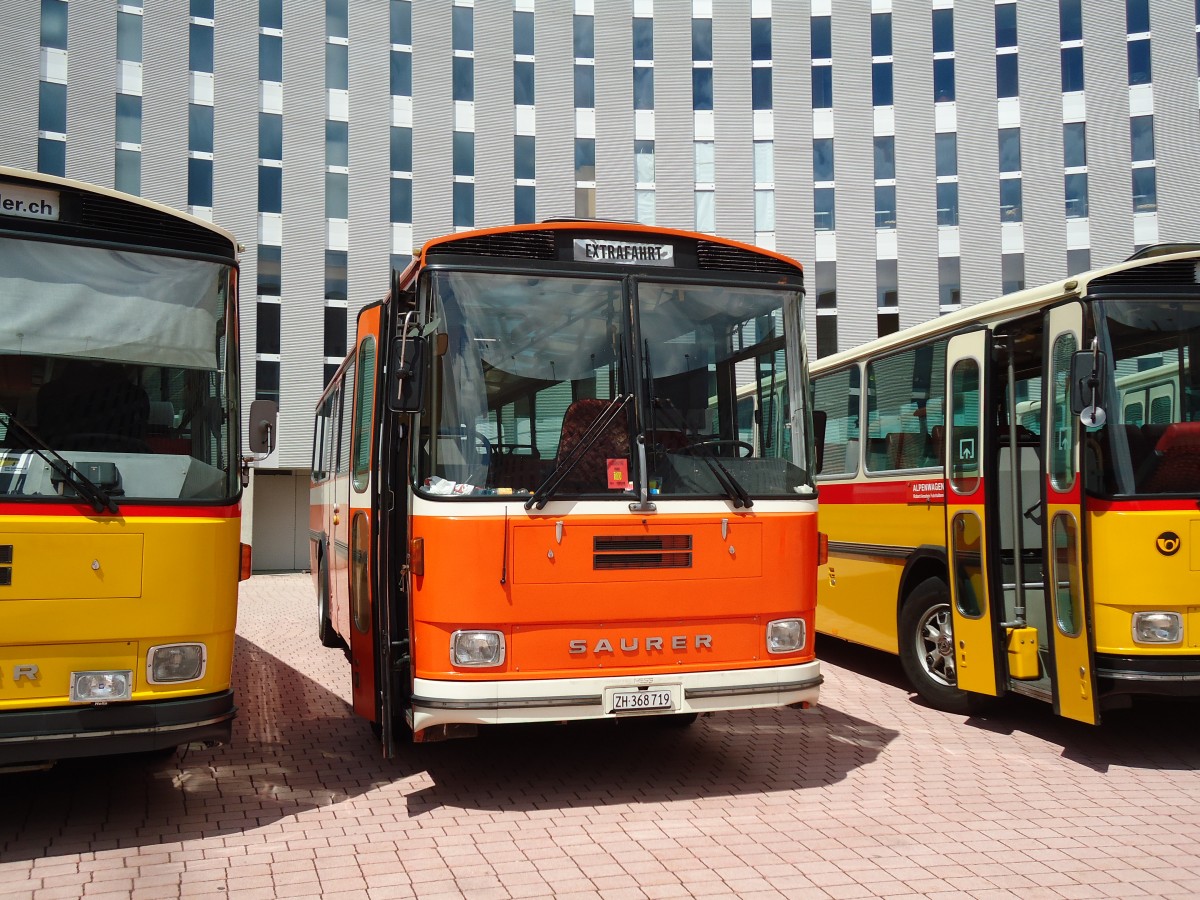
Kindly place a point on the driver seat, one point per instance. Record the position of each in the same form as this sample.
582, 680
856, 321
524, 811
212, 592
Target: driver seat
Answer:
590, 472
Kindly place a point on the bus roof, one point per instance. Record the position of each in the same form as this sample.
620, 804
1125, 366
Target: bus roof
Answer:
1002, 308
85, 187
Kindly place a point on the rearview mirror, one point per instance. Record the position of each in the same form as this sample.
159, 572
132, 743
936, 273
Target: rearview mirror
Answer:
1087, 380
263, 426
406, 375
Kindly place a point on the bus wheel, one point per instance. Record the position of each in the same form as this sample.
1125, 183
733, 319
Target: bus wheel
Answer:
325, 632
927, 649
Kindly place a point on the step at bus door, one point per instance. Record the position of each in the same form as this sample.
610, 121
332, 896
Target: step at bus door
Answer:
969, 506
1070, 626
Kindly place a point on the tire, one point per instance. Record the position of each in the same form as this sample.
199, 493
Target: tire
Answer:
927, 649
325, 632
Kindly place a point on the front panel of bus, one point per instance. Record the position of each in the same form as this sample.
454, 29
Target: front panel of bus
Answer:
1142, 481
119, 489
595, 529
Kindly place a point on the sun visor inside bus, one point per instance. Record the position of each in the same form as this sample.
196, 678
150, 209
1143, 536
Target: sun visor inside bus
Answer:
109, 304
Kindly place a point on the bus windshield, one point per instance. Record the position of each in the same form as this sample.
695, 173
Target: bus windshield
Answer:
541, 378
1151, 442
117, 361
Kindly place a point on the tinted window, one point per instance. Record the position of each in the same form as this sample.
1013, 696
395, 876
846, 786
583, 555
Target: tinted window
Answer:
837, 395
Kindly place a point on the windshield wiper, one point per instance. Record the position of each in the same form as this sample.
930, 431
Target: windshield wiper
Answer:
730, 485
99, 498
599, 425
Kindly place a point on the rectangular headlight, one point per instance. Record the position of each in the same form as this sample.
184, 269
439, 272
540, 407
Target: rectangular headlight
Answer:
477, 648
1157, 627
101, 687
172, 663
785, 635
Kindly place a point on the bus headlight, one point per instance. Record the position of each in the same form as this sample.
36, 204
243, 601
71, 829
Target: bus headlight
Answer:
477, 648
1157, 627
785, 635
101, 687
172, 663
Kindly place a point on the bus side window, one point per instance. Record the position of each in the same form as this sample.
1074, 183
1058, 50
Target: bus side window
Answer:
835, 401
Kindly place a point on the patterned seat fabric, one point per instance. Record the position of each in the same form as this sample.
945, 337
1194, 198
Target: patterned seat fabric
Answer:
590, 472
1178, 454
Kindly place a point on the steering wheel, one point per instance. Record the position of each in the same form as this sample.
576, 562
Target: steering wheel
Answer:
484, 446
690, 449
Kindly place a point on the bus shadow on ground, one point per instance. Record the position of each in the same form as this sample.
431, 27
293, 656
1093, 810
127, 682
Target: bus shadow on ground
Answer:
297, 747
1155, 734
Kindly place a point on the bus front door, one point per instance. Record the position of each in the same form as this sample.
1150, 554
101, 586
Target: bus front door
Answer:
1070, 627
967, 512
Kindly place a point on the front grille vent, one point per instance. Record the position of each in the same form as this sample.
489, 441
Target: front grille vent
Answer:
640, 551
711, 255
510, 244
1174, 274
142, 225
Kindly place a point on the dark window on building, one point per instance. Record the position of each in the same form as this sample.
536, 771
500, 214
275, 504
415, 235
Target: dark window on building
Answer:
266, 334
824, 213
401, 22
270, 136
822, 87
885, 206
463, 77
827, 344
1070, 20
335, 279
1010, 200
1075, 187
885, 157
523, 83
127, 174
1141, 138
585, 159
1074, 145
823, 159
760, 39
1137, 16
643, 38
1072, 69
200, 48
129, 37
1012, 269
200, 128
335, 332
887, 284
266, 380
943, 80
270, 189
54, 24
464, 205
199, 188
585, 87
524, 204
337, 143
1007, 77
462, 28
584, 37
464, 153
337, 195
760, 89
888, 323
1078, 261
945, 145
643, 87
401, 200
52, 157
1006, 25
947, 203
881, 34
821, 38
702, 40
1139, 61
881, 84
336, 24
523, 33
525, 157
702, 89
949, 281
401, 72
270, 14
269, 266
943, 31
1010, 149
52, 107
401, 149
337, 67
270, 57
1145, 190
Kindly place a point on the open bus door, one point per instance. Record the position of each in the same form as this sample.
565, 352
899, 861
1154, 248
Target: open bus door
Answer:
1070, 627
968, 506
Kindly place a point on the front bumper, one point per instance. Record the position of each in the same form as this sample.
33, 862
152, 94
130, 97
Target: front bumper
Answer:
63, 732
566, 699
1168, 676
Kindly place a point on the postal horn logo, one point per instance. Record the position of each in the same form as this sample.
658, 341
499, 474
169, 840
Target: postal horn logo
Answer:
1167, 543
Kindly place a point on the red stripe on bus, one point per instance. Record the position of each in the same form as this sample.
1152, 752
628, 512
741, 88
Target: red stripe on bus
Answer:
127, 511
1143, 505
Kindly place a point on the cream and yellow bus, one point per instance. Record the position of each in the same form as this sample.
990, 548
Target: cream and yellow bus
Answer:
1010, 492
536, 496
120, 464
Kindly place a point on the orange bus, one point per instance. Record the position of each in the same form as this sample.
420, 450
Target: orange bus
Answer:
532, 496
120, 459
1010, 492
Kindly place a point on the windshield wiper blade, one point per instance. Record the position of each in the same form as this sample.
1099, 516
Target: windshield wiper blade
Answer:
599, 425
87, 489
733, 489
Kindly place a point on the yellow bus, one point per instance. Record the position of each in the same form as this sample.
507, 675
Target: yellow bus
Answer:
1010, 492
534, 498
120, 466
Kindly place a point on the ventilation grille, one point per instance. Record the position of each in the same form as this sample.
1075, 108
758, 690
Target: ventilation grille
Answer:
710, 255
518, 244
1175, 274
662, 551
141, 225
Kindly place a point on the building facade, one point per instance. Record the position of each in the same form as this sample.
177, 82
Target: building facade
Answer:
915, 154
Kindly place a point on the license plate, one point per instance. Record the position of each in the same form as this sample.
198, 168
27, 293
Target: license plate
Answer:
638, 701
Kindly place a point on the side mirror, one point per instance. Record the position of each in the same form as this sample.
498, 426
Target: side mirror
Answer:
263, 426
1087, 380
406, 375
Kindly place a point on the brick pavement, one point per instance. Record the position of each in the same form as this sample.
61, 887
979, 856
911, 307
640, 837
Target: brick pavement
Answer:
871, 795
